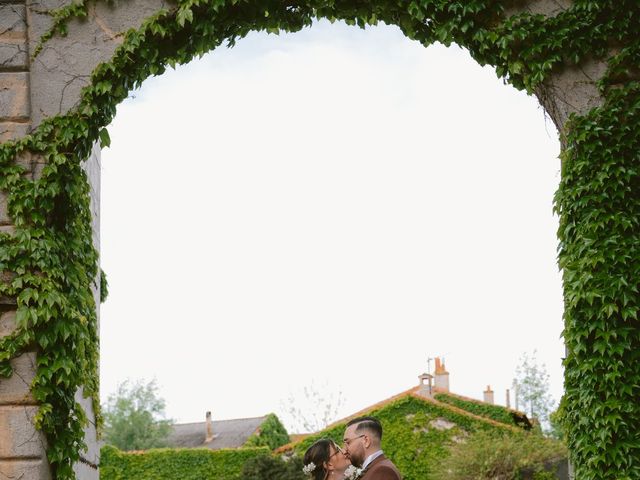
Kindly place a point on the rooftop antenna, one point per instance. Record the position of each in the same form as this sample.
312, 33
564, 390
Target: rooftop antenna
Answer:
429, 364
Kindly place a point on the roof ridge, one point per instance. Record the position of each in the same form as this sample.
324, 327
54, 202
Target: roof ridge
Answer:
466, 413
475, 400
224, 420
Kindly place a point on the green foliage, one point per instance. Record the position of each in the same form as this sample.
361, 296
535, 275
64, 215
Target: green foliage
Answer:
272, 468
532, 389
54, 261
271, 434
494, 412
181, 464
133, 418
416, 433
489, 456
599, 205
104, 287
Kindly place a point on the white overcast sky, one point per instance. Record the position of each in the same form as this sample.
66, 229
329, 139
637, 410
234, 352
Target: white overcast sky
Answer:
336, 205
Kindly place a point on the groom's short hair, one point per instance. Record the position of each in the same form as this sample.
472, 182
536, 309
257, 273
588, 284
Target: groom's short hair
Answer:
371, 424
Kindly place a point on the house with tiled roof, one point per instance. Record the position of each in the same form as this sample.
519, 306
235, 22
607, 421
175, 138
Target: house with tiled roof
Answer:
433, 390
233, 433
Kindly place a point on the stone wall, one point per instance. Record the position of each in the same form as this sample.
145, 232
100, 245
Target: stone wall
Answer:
15, 110
22, 447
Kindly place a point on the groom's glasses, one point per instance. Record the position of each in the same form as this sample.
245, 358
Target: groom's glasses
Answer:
338, 450
347, 441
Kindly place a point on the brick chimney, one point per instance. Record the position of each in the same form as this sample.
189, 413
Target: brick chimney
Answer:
488, 395
441, 376
209, 436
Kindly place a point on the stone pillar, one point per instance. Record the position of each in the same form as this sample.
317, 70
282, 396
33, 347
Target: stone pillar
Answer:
22, 447
15, 110
87, 468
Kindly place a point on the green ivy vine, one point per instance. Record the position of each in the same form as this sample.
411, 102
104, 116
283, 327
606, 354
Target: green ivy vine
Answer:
483, 409
271, 433
54, 265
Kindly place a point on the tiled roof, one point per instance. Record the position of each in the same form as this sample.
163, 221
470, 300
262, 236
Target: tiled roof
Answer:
226, 433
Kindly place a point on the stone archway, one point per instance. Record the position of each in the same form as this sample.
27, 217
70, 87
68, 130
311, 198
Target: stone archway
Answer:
58, 91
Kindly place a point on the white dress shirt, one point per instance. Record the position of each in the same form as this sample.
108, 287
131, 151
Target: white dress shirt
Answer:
371, 458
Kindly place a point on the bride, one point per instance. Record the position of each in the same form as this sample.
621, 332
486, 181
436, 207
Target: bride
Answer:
325, 460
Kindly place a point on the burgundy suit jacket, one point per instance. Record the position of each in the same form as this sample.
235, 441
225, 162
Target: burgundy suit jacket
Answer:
381, 469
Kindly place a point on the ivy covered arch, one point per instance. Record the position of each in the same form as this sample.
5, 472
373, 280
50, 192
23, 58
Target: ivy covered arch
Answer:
580, 58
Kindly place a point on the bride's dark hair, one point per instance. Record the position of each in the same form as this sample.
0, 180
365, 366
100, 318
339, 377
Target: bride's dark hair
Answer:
318, 454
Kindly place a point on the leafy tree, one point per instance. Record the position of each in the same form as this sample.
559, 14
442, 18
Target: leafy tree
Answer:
312, 408
532, 389
134, 417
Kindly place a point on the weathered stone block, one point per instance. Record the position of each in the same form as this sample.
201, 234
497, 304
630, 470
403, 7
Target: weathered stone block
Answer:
92, 453
63, 67
13, 37
10, 229
572, 90
32, 163
4, 214
7, 323
14, 96
84, 471
548, 8
16, 390
28, 469
13, 130
18, 434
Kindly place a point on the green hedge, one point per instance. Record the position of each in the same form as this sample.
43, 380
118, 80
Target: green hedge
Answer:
494, 412
273, 467
271, 434
412, 438
176, 464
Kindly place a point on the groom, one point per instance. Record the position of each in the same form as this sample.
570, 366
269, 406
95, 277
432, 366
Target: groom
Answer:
362, 446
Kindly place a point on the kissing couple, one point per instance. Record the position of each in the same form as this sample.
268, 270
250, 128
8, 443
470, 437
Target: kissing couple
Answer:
361, 457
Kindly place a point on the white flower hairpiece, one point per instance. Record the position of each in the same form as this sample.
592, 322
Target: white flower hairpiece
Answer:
307, 469
352, 472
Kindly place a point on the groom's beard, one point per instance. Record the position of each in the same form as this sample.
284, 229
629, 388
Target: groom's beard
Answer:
357, 460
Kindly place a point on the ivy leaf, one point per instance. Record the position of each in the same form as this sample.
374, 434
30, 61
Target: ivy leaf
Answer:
184, 15
105, 139
5, 369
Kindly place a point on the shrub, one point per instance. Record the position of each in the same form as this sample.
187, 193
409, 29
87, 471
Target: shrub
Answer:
499, 456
